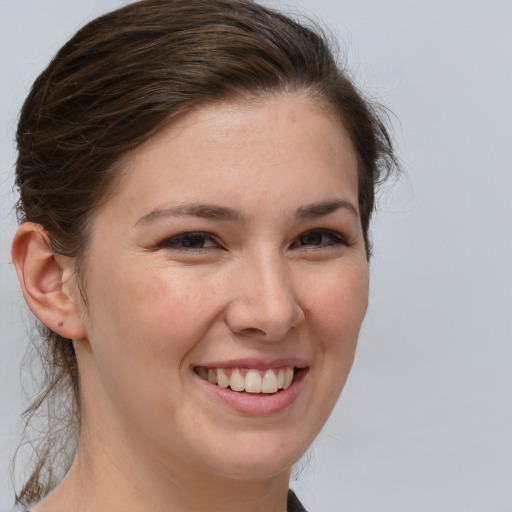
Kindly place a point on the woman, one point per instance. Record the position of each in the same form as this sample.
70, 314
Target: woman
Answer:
196, 183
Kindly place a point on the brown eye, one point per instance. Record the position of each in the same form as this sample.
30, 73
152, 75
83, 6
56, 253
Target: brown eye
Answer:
312, 238
191, 241
318, 238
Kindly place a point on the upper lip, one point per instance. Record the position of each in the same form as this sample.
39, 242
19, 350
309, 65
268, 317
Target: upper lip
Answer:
256, 363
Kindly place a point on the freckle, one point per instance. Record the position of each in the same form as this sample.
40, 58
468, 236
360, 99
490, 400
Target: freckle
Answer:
60, 324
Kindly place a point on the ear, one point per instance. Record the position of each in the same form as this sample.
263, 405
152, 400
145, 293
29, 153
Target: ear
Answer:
47, 281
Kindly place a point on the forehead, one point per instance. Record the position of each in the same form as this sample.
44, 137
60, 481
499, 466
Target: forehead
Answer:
287, 142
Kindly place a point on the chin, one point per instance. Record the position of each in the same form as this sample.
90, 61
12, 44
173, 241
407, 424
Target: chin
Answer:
259, 457
260, 468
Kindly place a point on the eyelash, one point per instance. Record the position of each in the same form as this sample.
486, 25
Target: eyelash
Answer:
175, 242
335, 238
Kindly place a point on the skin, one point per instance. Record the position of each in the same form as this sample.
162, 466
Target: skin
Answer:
262, 286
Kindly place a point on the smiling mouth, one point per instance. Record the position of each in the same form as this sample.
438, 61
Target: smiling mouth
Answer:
249, 380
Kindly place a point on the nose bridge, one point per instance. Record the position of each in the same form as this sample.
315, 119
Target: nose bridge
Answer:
265, 301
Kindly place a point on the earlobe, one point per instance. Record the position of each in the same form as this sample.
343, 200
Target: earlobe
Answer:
46, 281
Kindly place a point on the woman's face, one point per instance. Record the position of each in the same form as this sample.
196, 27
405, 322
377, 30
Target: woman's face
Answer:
233, 250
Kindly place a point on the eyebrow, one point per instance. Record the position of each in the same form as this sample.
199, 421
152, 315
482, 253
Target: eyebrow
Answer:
204, 211
325, 208
215, 212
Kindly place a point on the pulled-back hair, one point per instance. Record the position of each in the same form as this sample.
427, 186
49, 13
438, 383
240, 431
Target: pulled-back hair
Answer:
116, 83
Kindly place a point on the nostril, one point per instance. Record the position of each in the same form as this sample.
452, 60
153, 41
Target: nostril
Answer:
252, 331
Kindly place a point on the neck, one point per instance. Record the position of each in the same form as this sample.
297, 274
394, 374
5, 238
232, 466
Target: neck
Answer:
110, 475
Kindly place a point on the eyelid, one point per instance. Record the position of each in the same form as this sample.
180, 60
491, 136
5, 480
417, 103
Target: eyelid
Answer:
166, 243
338, 238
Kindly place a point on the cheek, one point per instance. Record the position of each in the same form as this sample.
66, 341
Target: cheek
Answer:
338, 299
142, 324
337, 307
150, 312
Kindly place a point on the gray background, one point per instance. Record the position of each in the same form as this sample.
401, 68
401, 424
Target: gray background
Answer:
425, 421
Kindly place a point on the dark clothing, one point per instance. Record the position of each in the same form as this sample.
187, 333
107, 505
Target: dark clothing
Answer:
294, 505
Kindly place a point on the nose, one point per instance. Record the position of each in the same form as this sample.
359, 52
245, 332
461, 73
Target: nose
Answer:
264, 302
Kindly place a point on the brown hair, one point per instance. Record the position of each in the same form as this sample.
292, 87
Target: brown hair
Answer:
118, 81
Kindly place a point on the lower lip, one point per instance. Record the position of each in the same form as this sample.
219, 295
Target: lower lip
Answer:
257, 404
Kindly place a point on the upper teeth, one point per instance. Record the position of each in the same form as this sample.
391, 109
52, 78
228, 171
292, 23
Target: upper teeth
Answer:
249, 380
